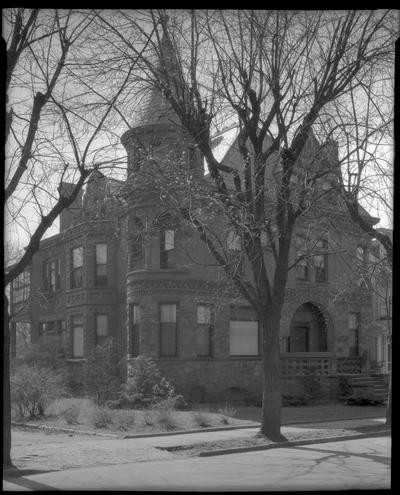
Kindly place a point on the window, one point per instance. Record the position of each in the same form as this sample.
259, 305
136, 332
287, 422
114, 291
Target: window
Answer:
302, 264
21, 287
320, 264
244, 334
53, 327
77, 268
168, 333
243, 338
137, 256
100, 278
101, 328
203, 330
354, 331
167, 245
77, 336
134, 321
52, 276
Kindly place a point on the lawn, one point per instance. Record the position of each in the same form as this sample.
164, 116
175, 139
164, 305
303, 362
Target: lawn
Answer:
83, 415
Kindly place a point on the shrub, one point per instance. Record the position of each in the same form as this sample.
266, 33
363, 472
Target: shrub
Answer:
71, 414
290, 400
165, 415
345, 388
34, 387
47, 352
202, 418
101, 417
101, 372
364, 397
145, 386
227, 412
312, 386
149, 417
124, 420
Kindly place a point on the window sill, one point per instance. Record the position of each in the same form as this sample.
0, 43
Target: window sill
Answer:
75, 360
252, 357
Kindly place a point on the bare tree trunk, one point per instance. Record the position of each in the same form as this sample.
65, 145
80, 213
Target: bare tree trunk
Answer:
6, 389
271, 411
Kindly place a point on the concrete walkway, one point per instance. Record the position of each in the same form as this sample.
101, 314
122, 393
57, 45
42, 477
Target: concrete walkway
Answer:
349, 464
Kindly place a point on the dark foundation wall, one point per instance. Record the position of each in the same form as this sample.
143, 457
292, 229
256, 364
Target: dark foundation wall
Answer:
230, 379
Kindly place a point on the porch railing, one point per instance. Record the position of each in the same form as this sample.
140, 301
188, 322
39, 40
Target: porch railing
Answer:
322, 363
294, 363
349, 365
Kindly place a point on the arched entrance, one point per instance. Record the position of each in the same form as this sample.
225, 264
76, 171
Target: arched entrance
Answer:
308, 330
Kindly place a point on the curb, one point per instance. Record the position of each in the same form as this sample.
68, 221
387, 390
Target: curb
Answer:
63, 430
332, 420
294, 444
184, 432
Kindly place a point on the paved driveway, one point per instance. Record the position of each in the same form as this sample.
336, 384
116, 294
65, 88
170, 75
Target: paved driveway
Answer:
350, 464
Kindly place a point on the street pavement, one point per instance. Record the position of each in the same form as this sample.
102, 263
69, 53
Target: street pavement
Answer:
336, 465
341, 465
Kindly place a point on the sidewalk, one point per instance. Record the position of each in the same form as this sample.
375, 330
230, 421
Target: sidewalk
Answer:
340, 465
37, 450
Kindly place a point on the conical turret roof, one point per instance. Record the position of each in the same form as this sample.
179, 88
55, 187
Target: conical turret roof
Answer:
153, 107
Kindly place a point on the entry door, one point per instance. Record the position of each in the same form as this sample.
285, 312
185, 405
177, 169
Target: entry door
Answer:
299, 339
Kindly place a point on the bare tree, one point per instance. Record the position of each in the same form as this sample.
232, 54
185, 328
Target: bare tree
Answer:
276, 74
59, 128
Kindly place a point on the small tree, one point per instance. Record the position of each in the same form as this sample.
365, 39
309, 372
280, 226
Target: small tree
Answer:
102, 371
34, 387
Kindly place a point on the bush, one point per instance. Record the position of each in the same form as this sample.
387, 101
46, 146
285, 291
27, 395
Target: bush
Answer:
47, 352
227, 412
34, 387
165, 415
101, 417
71, 414
101, 372
363, 397
290, 400
345, 388
313, 390
202, 418
145, 387
149, 417
124, 420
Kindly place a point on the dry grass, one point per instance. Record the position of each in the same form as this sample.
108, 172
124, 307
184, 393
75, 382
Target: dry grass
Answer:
130, 421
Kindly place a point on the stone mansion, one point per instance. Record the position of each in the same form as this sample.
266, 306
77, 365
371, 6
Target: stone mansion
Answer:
161, 295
